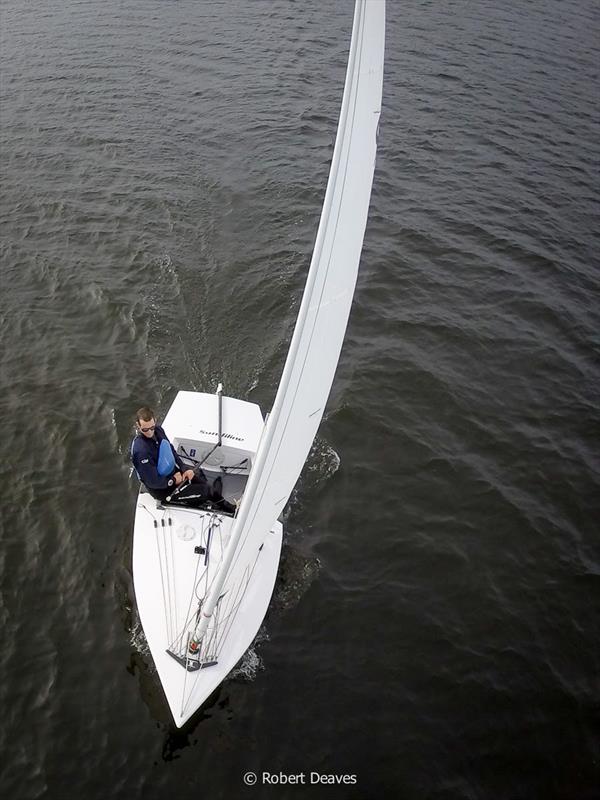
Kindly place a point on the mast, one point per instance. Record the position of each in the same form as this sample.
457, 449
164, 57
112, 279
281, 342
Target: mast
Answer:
319, 333
220, 401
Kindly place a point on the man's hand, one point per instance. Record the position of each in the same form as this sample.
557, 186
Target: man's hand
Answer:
178, 478
188, 474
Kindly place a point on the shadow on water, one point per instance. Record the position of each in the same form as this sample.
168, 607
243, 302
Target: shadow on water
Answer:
177, 739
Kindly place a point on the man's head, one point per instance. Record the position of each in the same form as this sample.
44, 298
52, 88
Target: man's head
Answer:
145, 421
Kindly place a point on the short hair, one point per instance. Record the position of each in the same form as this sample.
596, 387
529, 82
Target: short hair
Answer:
144, 414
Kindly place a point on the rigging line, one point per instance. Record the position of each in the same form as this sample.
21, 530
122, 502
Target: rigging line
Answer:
230, 613
235, 466
208, 565
344, 151
172, 583
216, 523
167, 571
201, 659
212, 639
185, 676
147, 510
205, 523
173, 562
222, 468
234, 612
218, 444
232, 601
184, 628
207, 549
196, 584
179, 507
194, 592
235, 604
188, 617
200, 599
162, 579
209, 649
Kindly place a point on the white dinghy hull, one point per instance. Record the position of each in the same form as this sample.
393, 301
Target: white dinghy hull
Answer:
177, 553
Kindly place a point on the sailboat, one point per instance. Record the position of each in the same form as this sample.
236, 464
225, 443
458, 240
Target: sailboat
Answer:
203, 579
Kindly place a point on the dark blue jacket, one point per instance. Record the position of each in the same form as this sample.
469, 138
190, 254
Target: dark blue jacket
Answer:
144, 456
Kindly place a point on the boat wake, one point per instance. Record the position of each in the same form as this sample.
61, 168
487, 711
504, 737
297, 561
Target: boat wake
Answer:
321, 464
138, 641
296, 574
252, 662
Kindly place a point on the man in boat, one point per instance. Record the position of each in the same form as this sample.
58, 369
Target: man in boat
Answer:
184, 486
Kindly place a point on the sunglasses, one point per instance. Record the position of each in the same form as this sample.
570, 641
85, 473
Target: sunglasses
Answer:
147, 430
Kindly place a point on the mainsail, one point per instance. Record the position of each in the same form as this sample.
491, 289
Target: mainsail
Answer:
319, 333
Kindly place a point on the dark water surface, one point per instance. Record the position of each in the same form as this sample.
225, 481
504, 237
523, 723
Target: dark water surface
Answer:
435, 625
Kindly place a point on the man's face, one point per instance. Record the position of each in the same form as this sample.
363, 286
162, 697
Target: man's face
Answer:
147, 428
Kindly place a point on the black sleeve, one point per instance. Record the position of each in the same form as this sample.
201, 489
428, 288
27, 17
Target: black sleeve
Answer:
146, 468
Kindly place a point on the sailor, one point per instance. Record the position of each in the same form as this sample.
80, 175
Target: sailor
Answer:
145, 451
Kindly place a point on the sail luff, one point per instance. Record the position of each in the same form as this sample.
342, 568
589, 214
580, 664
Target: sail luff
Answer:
297, 412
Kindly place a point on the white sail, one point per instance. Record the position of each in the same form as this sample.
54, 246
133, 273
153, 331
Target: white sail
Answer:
321, 325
